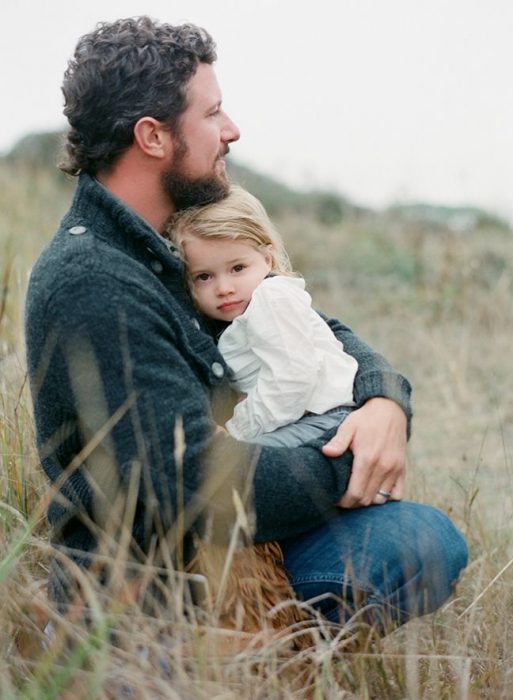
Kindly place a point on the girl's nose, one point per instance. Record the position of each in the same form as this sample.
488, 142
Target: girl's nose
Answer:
224, 286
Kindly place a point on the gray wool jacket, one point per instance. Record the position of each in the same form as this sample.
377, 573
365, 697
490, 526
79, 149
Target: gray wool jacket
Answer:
128, 385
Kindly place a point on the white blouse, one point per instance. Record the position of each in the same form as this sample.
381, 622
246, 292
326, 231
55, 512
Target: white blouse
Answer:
285, 358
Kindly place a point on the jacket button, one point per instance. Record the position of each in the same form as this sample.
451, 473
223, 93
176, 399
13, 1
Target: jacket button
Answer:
77, 230
217, 370
156, 266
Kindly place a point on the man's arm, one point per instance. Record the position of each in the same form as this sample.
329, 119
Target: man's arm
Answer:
377, 431
375, 376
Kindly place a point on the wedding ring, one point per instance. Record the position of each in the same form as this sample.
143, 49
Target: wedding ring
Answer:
385, 494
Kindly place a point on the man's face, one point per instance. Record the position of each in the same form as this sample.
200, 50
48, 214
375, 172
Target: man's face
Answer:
197, 173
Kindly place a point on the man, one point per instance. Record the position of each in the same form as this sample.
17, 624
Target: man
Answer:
128, 384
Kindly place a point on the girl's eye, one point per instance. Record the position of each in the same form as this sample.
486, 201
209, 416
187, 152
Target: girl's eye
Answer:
238, 268
202, 277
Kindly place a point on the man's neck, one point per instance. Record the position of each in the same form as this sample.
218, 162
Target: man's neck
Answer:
140, 189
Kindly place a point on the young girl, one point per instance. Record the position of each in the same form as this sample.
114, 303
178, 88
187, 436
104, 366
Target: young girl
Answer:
294, 376
294, 379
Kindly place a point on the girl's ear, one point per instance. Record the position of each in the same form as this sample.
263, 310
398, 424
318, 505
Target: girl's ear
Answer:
268, 255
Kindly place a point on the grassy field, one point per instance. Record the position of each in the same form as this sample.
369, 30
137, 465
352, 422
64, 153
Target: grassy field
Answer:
438, 304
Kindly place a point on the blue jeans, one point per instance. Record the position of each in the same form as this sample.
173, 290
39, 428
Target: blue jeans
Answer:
388, 563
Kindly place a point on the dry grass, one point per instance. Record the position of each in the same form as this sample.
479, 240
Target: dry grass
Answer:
439, 305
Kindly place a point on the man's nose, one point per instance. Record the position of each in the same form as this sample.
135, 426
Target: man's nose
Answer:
230, 131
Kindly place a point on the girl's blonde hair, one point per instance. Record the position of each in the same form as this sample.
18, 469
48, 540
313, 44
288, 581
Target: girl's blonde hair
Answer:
238, 217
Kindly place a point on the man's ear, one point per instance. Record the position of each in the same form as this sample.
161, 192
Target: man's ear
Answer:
153, 137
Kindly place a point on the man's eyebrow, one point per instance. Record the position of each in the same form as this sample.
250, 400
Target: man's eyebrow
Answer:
215, 105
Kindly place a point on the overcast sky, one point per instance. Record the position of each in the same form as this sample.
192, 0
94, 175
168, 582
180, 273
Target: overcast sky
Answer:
379, 99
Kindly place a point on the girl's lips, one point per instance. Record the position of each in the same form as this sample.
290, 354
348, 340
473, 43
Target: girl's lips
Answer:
229, 305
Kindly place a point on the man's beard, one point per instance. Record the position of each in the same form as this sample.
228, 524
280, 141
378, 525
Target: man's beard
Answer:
186, 192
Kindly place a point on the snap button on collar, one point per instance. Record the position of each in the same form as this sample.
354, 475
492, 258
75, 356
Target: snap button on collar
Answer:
77, 230
217, 370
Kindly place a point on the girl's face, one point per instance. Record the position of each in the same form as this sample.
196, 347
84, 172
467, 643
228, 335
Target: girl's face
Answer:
224, 274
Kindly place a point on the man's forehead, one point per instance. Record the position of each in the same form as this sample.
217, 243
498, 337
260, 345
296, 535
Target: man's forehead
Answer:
203, 86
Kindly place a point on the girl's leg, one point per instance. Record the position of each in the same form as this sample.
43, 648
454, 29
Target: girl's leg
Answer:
308, 428
396, 561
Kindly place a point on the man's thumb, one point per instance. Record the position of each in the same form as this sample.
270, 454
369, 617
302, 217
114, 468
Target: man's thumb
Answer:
338, 444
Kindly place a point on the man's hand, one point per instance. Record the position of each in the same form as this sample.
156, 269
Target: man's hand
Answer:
376, 434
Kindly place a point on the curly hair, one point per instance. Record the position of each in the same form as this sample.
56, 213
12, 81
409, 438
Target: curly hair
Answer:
120, 72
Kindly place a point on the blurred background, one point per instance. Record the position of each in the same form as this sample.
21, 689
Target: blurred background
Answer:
381, 102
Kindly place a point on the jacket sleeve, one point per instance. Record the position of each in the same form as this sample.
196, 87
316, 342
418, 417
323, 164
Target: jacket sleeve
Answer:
375, 376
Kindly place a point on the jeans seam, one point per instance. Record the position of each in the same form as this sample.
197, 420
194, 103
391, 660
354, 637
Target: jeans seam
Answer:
343, 581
